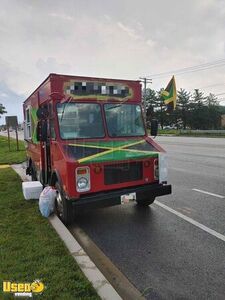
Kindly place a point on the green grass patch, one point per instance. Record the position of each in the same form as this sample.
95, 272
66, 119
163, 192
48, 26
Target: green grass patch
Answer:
168, 131
191, 133
11, 156
30, 248
202, 134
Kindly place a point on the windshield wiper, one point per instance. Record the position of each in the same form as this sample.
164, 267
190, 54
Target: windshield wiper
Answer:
115, 106
64, 107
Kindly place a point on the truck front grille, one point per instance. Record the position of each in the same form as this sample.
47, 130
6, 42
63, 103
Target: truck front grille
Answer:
123, 172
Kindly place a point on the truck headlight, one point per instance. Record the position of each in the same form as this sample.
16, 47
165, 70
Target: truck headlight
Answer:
82, 183
163, 167
83, 179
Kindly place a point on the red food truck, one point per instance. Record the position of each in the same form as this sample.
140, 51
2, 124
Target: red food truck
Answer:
86, 137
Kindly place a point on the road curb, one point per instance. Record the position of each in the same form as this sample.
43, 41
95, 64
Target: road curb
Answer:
20, 170
102, 286
118, 280
93, 274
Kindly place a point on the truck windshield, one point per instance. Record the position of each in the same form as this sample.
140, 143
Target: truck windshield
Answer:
124, 120
80, 120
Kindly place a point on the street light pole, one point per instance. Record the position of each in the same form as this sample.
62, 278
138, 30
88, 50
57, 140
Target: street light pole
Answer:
145, 80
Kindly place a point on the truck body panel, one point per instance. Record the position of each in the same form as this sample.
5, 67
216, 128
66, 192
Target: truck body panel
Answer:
106, 140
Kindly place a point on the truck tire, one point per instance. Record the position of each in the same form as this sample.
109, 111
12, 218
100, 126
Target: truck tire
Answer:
145, 202
63, 207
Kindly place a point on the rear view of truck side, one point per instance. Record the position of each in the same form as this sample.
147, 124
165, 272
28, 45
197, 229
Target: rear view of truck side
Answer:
86, 137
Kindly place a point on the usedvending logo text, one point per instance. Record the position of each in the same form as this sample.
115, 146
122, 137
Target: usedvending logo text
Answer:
21, 289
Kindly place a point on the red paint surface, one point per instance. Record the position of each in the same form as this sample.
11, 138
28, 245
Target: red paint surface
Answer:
52, 90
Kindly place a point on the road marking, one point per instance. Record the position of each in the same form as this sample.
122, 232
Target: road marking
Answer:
193, 222
208, 193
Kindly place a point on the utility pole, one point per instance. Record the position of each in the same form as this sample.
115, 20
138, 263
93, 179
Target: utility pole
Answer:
145, 80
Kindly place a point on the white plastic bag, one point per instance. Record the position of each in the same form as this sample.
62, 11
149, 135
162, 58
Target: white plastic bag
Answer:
47, 201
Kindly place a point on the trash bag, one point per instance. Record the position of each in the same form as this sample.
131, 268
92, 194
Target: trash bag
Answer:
47, 201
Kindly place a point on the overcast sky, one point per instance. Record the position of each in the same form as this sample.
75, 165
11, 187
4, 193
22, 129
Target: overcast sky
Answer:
120, 38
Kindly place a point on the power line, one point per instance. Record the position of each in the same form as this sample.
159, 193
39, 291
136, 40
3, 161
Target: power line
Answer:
212, 85
220, 94
196, 68
193, 67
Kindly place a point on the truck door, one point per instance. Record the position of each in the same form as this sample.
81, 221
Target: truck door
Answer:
44, 138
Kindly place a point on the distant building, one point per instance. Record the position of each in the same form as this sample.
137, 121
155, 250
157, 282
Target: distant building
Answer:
223, 121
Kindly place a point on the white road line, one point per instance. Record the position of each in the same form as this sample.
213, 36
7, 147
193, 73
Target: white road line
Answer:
208, 193
193, 222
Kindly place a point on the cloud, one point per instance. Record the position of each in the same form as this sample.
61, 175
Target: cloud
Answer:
130, 31
15, 77
108, 39
150, 43
11, 101
61, 16
50, 65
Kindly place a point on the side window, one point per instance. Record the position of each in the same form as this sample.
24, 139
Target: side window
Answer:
27, 131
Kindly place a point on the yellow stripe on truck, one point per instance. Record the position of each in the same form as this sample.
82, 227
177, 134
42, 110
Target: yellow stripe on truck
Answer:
109, 151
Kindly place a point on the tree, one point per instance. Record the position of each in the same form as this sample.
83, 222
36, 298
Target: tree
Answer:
155, 106
195, 110
151, 104
2, 110
161, 109
183, 107
198, 111
214, 113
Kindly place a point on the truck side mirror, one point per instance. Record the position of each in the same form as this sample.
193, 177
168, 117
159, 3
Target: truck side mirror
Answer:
42, 132
42, 113
42, 127
154, 127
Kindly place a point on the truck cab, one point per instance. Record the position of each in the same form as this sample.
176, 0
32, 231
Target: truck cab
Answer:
87, 138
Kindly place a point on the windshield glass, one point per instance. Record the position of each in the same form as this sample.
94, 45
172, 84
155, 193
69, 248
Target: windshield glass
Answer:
80, 120
124, 120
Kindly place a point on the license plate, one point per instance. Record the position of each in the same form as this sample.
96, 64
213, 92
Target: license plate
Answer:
127, 198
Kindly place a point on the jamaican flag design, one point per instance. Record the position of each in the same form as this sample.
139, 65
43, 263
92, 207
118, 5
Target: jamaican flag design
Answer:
170, 95
34, 122
107, 151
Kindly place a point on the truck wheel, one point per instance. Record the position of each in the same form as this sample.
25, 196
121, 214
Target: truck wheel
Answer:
63, 206
145, 202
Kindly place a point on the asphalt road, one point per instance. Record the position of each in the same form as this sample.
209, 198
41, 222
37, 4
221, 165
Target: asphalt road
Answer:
178, 253
161, 253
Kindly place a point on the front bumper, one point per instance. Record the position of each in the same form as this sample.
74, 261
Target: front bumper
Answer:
111, 198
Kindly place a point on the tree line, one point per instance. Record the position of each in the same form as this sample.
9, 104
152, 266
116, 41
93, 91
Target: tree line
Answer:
193, 110
2, 110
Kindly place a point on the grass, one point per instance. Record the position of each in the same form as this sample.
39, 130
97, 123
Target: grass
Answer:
11, 156
202, 134
168, 131
190, 133
29, 247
